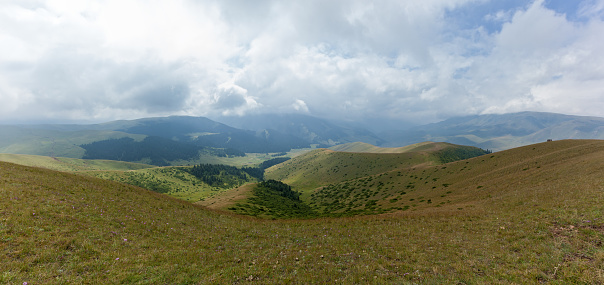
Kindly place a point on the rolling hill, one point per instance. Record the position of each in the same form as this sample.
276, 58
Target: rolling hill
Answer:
177, 182
71, 164
464, 183
344, 184
368, 148
323, 166
180, 182
527, 215
50, 141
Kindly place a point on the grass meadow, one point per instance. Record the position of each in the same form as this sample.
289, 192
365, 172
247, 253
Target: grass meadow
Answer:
544, 224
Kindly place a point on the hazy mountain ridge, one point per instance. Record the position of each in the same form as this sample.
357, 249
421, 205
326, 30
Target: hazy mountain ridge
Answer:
499, 132
280, 133
205, 132
311, 129
67, 140
50, 141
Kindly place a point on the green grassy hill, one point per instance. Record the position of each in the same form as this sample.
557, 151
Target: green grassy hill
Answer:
71, 164
365, 147
460, 184
380, 187
51, 142
174, 181
323, 166
538, 218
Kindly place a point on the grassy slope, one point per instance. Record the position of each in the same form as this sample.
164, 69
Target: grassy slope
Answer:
323, 166
14, 139
460, 184
525, 226
168, 180
70, 164
75, 164
365, 147
225, 199
172, 181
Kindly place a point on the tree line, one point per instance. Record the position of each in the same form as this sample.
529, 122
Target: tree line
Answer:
219, 174
460, 153
160, 151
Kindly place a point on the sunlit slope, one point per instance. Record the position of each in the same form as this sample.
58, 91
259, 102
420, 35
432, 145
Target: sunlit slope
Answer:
55, 143
70, 164
548, 167
365, 147
324, 166
225, 199
173, 181
59, 228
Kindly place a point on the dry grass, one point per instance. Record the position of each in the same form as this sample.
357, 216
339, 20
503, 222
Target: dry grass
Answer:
226, 199
365, 147
323, 166
71, 164
539, 225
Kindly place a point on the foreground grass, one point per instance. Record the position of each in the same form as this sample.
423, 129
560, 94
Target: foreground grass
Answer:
58, 228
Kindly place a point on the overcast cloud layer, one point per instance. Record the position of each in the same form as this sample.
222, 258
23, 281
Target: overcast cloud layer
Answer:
418, 61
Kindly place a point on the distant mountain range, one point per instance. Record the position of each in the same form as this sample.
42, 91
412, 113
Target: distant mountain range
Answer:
160, 136
275, 133
500, 132
311, 129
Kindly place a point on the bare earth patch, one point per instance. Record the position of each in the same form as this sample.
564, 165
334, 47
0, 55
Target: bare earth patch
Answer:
229, 198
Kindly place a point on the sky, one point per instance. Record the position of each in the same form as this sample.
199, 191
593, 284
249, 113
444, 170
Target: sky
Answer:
402, 60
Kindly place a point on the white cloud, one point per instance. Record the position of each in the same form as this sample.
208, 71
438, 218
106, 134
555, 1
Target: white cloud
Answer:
408, 60
231, 99
592, 9
499, 16
300, 106
541, 61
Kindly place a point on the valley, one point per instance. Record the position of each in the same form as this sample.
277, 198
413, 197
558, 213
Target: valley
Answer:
301, 142
184, 140
527, 215
170, 209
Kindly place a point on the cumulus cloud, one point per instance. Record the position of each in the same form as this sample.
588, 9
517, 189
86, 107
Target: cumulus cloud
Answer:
300, 106
417, 61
